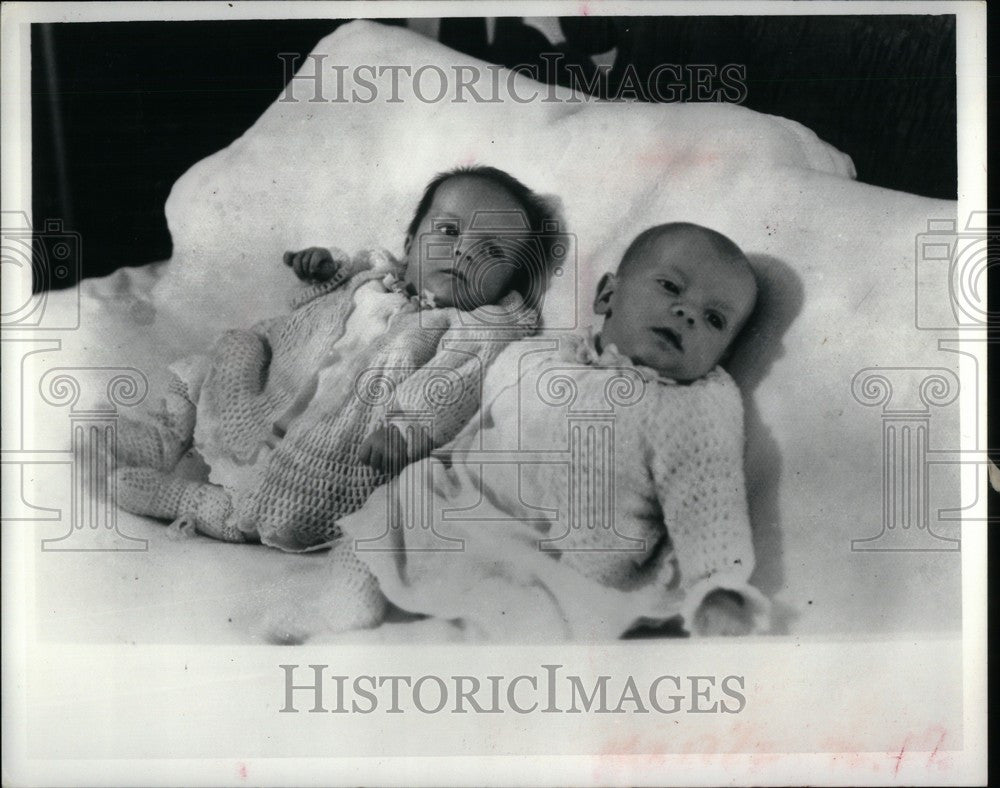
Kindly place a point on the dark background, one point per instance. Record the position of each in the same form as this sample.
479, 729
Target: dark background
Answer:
121, 110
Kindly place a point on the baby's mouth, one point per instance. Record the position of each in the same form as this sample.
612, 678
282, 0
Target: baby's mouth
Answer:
671, 336
455, 273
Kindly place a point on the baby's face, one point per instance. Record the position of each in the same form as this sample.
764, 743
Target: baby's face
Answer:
677, 307
462, 264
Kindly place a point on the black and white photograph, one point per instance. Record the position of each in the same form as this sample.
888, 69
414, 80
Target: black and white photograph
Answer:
526, 393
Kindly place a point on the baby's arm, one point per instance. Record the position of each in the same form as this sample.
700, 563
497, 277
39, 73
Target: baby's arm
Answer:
698, 472
318, 264
387, 447
326, 270
448, 387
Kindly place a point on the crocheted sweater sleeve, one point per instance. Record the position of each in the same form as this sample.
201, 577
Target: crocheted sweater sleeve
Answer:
697, 470
448, 388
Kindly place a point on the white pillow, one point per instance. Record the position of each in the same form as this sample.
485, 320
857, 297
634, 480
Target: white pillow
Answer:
350, 174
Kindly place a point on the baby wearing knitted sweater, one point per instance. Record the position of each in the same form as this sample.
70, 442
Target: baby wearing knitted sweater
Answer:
600, 486
290, 415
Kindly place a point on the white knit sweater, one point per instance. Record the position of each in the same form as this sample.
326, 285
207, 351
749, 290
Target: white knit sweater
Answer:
587, 494
290, 489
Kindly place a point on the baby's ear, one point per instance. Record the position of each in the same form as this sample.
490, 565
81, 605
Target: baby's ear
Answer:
605, 289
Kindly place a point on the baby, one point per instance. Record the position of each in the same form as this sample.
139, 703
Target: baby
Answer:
290, 415
645, 520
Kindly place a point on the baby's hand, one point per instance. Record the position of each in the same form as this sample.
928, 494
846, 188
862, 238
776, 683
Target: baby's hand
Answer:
314, 264
384, 450
387, 450
723, 612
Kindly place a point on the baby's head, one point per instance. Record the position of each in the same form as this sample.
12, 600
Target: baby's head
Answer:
680, 296
471, 239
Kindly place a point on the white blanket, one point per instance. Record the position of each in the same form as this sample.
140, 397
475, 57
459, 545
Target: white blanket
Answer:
836, 259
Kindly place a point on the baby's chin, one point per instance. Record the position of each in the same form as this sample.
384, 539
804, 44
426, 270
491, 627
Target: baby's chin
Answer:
454, 294
682, 373
443, 294
448, 297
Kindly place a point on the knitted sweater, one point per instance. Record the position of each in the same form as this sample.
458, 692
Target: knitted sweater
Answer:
611, 495
290, 489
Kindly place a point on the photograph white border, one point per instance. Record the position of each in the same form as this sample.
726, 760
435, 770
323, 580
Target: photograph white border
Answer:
159, 702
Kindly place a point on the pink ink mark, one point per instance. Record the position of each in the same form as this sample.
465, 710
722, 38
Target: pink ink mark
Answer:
899, 758
242, 771
585, 9
940, 741
621, 746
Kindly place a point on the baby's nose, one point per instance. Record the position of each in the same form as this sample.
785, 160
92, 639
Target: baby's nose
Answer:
679, 311
460, 247
469, 250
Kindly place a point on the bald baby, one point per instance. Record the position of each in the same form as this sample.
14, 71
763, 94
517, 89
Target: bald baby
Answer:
679, 298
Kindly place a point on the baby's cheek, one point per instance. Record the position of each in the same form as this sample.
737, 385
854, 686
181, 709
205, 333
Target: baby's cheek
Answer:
492, 271
702, 357
491, 283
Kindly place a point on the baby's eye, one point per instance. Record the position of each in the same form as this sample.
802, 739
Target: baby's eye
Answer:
715, 320
669, 286
448, 228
